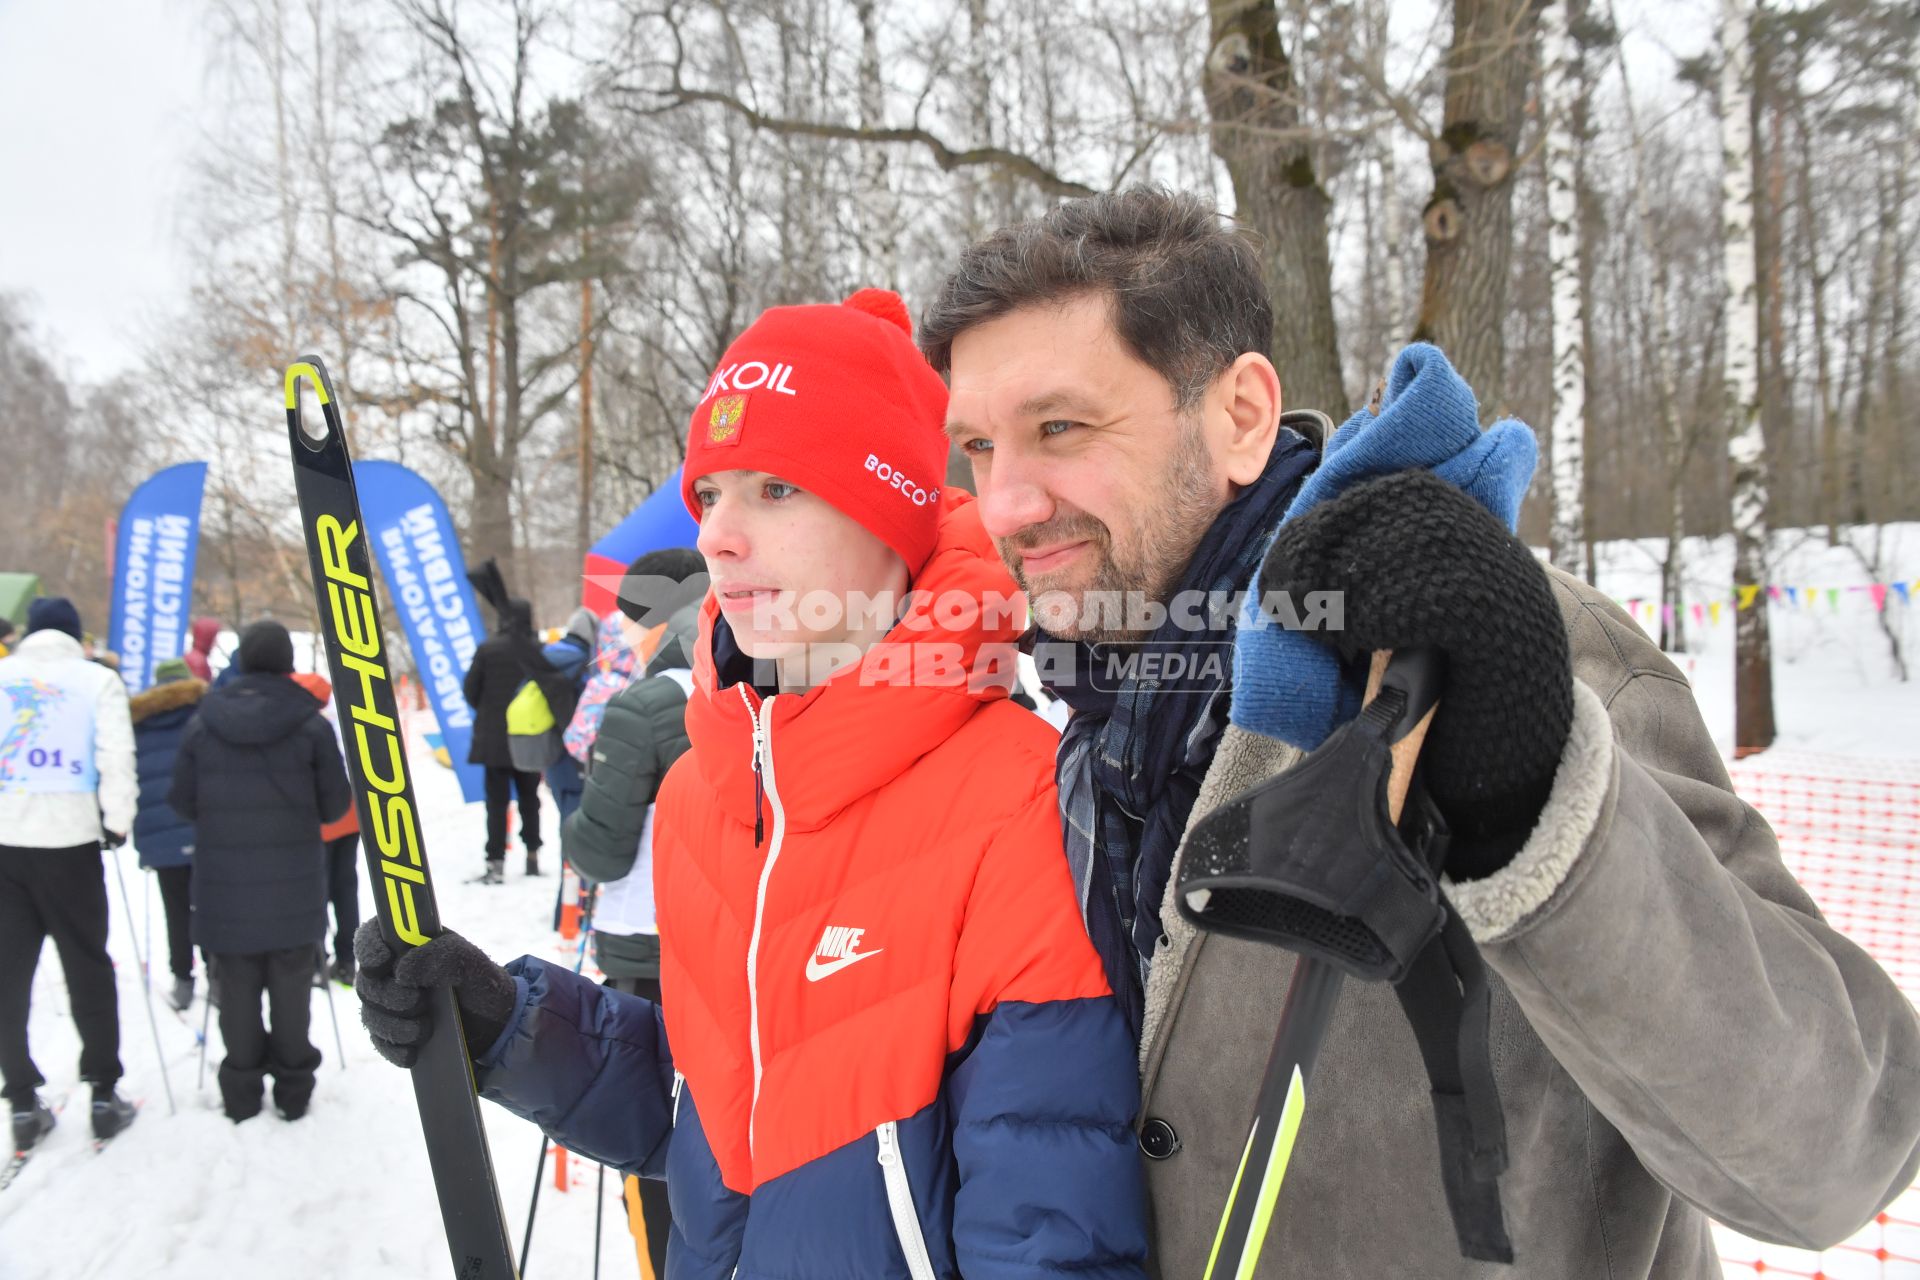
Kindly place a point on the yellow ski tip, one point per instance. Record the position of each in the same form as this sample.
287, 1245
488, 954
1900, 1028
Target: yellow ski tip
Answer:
300, 370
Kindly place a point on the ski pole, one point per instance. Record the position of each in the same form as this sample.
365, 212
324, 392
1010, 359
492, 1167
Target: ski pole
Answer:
540, 1168
326, 985
1315, 988
146, 988
599, 1212
206, 1020
146, 921
600, 1178
533, 1207
559, 893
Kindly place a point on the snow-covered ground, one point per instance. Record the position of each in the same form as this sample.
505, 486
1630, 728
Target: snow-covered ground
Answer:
345, 1192
1835, 689
342, 1194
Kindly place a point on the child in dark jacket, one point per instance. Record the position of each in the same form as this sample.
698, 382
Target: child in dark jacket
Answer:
162, 837
258, 774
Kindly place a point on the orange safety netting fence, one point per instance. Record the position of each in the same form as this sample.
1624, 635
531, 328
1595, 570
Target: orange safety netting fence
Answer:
1849, 830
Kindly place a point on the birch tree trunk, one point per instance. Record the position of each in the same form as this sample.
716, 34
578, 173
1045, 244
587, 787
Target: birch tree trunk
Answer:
1753, 727
1560, 91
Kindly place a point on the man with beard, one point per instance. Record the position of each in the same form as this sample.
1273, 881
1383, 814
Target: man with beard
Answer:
1676, 1032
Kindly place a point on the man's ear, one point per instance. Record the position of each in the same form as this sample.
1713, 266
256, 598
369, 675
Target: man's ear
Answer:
1246, 402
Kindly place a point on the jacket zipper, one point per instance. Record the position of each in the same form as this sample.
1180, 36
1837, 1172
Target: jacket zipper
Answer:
906, 1221
764, 784
759, 781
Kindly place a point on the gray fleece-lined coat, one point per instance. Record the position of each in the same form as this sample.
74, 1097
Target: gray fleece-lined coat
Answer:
1677, 1033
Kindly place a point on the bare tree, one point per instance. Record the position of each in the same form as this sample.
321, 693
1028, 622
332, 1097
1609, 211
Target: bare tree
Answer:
1753, 729
484, 192
1259, 135
1469, 219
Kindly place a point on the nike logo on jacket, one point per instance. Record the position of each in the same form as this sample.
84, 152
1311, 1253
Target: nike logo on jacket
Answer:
837, 949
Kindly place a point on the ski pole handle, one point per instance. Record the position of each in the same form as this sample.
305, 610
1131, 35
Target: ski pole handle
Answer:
1280, 1106
1406, 752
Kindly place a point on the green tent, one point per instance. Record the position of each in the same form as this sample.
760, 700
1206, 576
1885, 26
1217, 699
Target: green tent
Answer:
17, 591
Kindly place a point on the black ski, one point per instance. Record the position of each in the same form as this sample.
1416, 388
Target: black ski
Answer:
443, 1084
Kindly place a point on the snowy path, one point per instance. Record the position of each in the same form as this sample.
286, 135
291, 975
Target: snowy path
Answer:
344, 1193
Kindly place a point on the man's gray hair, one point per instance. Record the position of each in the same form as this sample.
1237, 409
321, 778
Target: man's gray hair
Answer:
1187, 293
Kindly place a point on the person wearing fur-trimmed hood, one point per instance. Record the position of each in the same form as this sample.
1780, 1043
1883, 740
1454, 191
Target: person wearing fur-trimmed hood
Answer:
164, 839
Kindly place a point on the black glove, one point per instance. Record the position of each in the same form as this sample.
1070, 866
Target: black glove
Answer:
1421, 563
395, 996
112, 839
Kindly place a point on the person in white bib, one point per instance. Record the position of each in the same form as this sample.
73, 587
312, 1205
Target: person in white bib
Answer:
67, 789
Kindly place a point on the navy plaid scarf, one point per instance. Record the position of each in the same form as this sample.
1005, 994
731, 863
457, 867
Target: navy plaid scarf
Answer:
1134, 753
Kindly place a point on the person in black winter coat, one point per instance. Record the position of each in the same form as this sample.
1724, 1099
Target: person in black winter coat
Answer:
162, 837
498, 670
258, 774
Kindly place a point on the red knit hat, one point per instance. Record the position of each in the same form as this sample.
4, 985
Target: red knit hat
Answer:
837, 400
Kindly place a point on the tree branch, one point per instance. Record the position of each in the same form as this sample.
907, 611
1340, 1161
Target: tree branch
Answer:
947, 157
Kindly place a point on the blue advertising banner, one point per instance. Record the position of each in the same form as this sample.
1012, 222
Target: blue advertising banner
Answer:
153, 554
411, 533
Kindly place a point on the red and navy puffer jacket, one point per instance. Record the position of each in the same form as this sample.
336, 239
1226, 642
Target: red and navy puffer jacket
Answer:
893, 1049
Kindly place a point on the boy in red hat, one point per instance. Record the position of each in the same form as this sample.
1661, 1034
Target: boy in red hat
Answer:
893, 1049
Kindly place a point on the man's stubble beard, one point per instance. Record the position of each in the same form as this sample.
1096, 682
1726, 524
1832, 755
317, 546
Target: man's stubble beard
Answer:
1167, 531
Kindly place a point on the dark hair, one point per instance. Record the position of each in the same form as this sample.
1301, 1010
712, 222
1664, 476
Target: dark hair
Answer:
678, 563
1188, 295
639, 596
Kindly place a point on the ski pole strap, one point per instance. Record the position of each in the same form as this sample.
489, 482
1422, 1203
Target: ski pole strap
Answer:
1449, 1006
1319, 861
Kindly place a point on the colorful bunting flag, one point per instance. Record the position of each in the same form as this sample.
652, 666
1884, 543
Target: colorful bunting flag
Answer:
1804, 597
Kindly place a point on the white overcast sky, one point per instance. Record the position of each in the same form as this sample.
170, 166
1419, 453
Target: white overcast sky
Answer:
101, 106
98, 116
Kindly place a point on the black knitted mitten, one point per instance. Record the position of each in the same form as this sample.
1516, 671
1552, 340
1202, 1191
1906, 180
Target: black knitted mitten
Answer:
396, 995
1420, 563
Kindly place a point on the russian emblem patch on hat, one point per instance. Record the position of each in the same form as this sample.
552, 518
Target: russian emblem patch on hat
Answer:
726, 420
